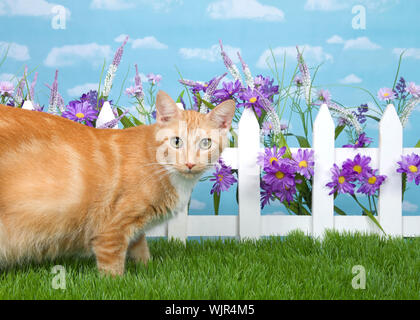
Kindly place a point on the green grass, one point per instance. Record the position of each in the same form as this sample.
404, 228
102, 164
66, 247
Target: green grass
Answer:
295, 267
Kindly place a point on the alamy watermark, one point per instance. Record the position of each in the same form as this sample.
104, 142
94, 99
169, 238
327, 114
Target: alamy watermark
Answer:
59, 280
359, 280
59, 17
359, 20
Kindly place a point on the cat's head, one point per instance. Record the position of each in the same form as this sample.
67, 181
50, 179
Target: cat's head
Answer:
190, 142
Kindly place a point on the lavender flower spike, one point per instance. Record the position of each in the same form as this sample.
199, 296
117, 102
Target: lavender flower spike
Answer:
191, 83
247, 72
349, 116
52, 107
21, 87
111, 124
210, 91
32, 90
271, 113
113, 67
229, 64
305, 77
119, 53
408, 109
137, 81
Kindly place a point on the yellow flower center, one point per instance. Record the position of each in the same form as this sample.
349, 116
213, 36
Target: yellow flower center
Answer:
303, 164
279, 175
80, 115
413, 168
372, 180
341, 180
272, 159
386, 94
253, 99
357, 168
220, 177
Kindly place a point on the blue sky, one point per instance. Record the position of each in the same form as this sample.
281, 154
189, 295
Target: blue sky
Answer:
183, 34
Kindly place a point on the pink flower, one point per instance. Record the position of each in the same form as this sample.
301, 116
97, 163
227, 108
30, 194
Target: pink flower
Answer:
386, 94
6, 88
154, 78
413, 89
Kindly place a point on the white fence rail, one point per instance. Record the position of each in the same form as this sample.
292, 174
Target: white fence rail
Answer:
249, 223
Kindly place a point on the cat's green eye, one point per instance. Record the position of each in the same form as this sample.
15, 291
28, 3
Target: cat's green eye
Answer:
176, 142
205, 144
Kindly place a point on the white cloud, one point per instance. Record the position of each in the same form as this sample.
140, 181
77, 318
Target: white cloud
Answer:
324, 5
409, 207
335, 5
243, 9
211, 54
351, 78
112, 5
409, 53
148, 42
77, 91
37, 8
16, 51
335, 40
362, 43
197, 205
71, 54
311, 54
9, 77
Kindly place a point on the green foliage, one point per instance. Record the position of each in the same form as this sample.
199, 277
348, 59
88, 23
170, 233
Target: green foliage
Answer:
293, 267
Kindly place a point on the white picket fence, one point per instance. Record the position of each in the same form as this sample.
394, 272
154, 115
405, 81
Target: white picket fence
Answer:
250, 224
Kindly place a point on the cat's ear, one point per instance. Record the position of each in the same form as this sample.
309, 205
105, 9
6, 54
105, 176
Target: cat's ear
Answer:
166, 108
222, 115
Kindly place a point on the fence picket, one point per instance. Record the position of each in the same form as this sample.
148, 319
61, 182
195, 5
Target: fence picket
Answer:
27, 105
390, 151
249, 176
323, 145
105, 115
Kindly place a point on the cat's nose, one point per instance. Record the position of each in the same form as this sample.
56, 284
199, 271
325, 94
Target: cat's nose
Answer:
190, 165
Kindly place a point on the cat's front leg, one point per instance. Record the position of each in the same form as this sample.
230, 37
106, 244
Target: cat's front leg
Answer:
139, 250
110, 249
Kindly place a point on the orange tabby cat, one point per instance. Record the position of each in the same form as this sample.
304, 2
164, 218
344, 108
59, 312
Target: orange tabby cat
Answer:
68, 188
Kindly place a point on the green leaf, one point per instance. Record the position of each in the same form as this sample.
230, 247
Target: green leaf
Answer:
369, 214
373, 117
339, 211
417, 145
124, 120
180, 96
338, 130
303, 142
216, 203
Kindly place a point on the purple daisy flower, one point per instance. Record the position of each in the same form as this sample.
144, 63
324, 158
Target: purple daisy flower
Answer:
280, 174
154, 78
286, 194
305, 162
341, 181
6, 88
324, 96
413, 89
81, 112
386, 94
410, 165
359, 166
229, 89
266, 194
361, 142
266, 87
223, 178
269, 156
251, 100
267, 128
371, 183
